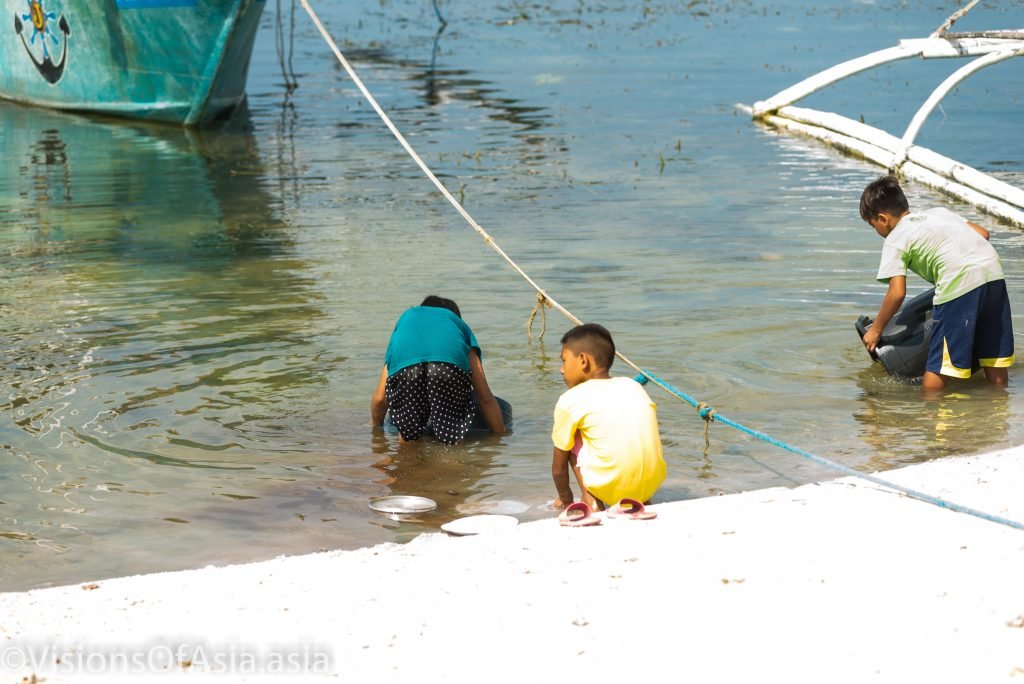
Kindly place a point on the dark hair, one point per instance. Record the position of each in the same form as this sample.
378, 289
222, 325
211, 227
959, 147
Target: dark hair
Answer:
593, 339
883, 195
442, 303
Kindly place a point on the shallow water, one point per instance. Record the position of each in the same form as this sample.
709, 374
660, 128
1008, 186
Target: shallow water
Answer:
193, 322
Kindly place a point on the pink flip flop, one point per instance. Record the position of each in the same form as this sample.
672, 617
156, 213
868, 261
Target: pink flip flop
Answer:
578, 514
630, 509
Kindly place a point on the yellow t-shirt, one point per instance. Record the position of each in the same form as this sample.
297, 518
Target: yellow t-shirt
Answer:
621, 452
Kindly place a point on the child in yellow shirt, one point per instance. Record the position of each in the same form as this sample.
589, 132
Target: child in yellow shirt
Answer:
606, 428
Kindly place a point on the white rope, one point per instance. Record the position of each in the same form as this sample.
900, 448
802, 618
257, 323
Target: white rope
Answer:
444, 191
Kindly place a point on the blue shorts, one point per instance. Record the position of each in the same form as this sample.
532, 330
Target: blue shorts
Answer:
970, 331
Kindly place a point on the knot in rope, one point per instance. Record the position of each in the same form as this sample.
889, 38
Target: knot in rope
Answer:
542, 305
707, 412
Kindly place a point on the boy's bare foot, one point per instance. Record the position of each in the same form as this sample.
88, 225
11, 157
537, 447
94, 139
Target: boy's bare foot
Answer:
932, 382
997, 376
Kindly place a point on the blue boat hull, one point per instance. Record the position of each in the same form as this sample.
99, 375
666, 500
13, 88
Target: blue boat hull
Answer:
178, 61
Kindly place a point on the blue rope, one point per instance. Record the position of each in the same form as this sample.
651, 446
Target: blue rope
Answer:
709, 414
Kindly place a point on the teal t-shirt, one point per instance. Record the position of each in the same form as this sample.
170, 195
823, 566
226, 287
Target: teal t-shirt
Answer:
429, 333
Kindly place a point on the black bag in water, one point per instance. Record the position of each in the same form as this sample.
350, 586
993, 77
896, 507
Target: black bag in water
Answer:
903, 347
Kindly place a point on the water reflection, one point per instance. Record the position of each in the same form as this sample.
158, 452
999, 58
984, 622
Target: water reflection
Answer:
450, 475
431, 93
150, 296
440, 86
140, 250
896, 420
146, 193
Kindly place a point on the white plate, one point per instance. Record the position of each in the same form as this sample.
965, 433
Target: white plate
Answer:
479, 524
500, 507
402, 504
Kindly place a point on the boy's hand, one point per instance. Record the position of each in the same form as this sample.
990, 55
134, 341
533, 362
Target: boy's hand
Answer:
871, 338
890, 306
560, 475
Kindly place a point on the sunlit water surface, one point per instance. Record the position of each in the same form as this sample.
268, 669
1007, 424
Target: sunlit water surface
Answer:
191, 323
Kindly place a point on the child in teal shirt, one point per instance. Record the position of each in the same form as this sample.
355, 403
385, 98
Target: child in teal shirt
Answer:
431, 369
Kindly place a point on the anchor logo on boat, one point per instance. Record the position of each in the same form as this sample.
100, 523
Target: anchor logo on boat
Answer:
40, 21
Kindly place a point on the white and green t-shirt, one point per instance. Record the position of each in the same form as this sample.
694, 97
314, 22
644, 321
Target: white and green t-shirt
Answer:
939, 246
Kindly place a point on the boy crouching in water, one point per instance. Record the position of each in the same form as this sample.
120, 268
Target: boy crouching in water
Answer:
971, 323
605, 428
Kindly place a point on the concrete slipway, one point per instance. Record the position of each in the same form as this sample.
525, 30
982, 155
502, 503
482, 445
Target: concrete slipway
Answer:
834, 582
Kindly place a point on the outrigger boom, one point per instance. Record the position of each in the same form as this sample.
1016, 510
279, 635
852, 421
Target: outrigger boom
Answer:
900, 154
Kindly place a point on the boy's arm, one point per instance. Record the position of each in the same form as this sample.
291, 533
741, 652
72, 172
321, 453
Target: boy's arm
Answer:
890, 305
379, 402
978, 229
488, 404
560, 474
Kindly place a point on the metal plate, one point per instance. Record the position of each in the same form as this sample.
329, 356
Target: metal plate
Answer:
402, 504
479, 524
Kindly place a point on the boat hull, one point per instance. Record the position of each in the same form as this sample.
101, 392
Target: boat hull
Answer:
178, 61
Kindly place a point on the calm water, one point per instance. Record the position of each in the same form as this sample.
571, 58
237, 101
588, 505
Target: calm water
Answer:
192, 323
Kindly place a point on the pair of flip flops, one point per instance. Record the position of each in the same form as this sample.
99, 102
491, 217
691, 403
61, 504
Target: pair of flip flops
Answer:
580, 514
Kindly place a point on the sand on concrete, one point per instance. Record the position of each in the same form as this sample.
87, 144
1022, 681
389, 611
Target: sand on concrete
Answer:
834, 582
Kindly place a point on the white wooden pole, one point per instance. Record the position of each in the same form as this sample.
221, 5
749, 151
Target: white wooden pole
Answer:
927, 48
951, 82
900, 154
829, 76
923, 165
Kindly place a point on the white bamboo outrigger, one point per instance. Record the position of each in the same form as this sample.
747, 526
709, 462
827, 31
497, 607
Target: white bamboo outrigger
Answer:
901, 155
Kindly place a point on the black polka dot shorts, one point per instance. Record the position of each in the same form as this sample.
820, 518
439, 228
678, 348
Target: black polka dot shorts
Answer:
431, 397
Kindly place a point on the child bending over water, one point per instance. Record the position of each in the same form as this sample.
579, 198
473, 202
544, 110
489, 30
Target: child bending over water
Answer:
432, 367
